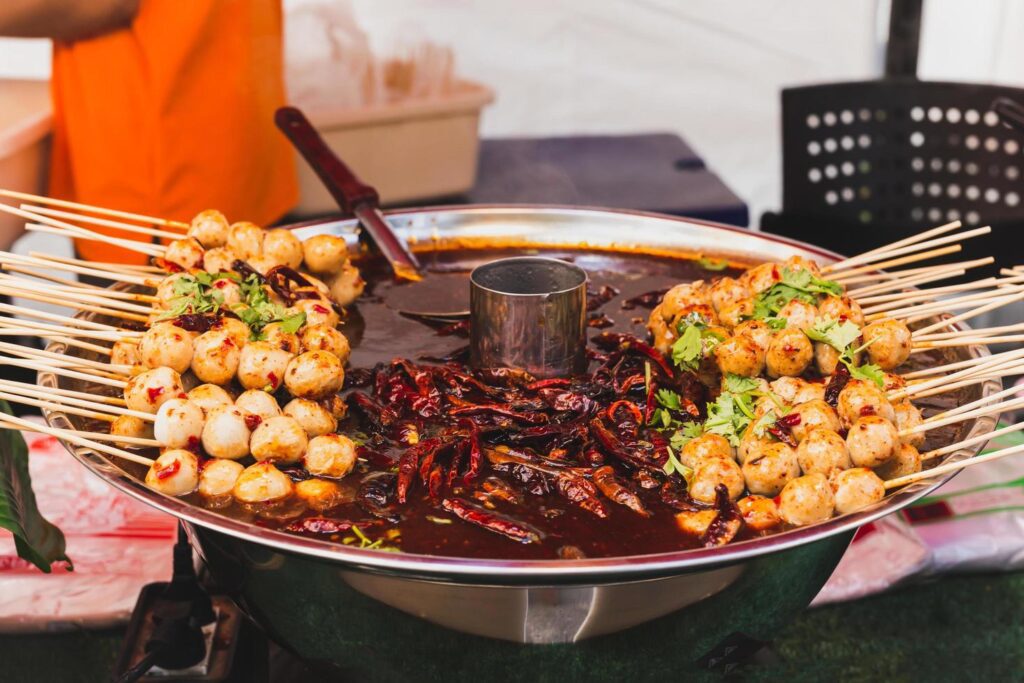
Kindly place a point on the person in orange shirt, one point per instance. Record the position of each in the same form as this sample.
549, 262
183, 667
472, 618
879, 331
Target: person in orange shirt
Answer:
164, 108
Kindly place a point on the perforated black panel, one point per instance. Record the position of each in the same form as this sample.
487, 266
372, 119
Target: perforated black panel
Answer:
901, 153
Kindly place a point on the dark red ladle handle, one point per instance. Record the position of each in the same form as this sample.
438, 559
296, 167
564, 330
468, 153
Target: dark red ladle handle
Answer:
352, 195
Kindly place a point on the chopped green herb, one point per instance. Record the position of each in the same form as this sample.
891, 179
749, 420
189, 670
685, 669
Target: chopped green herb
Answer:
670, 399
764, 422
712, 263
673, 466
687, 350
868, 372
737, 384
438, 520
838, 335
290, 324
688, 433
795, 284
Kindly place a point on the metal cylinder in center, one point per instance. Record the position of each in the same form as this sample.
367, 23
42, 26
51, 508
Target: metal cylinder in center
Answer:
529, 313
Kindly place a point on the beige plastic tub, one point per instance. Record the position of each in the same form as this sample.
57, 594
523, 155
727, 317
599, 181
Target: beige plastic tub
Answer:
25, 120
410, 151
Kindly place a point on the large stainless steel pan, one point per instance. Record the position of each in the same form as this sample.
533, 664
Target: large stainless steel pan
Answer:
331, 602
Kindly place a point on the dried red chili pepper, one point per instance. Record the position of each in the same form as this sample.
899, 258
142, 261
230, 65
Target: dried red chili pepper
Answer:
499, 524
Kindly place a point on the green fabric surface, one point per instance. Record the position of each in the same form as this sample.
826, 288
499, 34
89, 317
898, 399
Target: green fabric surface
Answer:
955, 629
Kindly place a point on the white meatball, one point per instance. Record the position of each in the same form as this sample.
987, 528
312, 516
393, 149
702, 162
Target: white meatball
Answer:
771, 468
166, 345
758, 332
230, 291
841, 309
258, 402
210, 227
175, 473
148, 390
165, 291
860, 399
799, 314
215, 357
807, 500
750, 446
125, 353
325, 253
283, 248
705, 446
274, 334
872, 440
262, 366
826, 358
219, 260
217, 478
227, 432
726, 291
890, 343
130, 425
786, 388
822, 450
325, 338
346, 285
907, 460
280, 439
759, 513
709, 473
179, 424
318, 312
810, 391
235, 328
246, 239
313, 417
684, 297
330, 455
733, 314
314, 374
187, 253
907, 417
762, 277
319, 494
209, 396
789, 354
262, 483
814, 414
739, 356
856, 488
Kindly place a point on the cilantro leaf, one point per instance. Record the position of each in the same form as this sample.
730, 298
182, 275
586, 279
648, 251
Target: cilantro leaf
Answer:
737, 384
838, 335
764, 422
688, 433
687, 351
869, 373
673, 466
290, 324
794, 284
714, 264
669, 399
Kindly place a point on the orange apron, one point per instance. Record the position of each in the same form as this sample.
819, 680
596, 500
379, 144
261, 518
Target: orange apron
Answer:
175, 115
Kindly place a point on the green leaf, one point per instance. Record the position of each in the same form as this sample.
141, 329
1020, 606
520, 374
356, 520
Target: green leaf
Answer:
764, 422
869, 373
290, 324
673, 466
795, 284
737, 384
687, 351
36, 540
838, 335
669, 399
688, 433
712, 263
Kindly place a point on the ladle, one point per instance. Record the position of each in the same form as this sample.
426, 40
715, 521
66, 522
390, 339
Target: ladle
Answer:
422, 295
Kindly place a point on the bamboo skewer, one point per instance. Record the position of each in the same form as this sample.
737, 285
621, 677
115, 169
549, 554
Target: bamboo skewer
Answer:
985, 365
41, 366
976, 404
73, 437
867, 302
902, 261
102, 222
82, 306
85, 296
25, 391
981, 438
74, 287
64, 393
977, 332
64, 358
913, 239
968, 415
915, 277
63, 320
86, 234
921, 347
48, 405
31, 272
139, 218
1017, 295
67, 341
889, 253
950, 304
952, 467
101, 265
102, 335
8, 257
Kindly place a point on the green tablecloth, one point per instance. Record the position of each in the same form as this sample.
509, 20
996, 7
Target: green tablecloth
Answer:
955, 629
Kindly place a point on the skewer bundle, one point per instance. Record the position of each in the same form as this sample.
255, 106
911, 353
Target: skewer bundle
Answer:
811, 449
